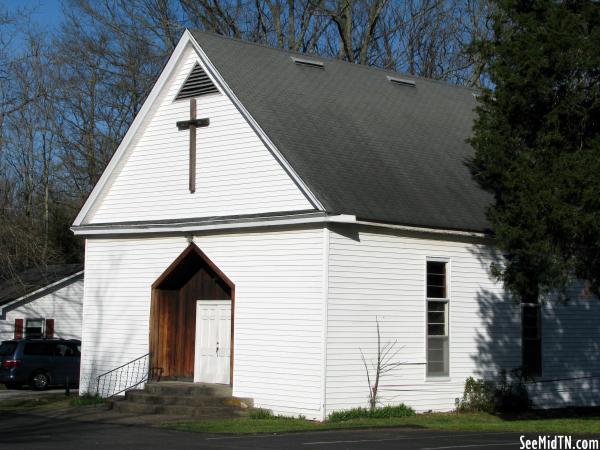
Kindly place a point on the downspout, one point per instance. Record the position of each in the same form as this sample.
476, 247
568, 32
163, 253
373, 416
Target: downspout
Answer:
324, 316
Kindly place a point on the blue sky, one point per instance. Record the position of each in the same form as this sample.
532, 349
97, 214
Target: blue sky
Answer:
45, 13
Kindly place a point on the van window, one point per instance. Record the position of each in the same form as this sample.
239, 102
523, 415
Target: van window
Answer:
38, 349
64, 349
8, 348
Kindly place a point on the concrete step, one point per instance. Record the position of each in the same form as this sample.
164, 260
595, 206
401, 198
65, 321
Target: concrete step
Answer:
177, 388
149, 398
204, 412
183, 399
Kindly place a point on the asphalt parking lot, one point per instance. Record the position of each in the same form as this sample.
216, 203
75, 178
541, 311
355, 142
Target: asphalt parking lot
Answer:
24, 431
24, 393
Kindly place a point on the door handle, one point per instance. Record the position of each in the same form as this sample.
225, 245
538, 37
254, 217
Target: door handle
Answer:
217, 349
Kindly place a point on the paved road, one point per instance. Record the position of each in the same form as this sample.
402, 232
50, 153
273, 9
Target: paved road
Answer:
19, 431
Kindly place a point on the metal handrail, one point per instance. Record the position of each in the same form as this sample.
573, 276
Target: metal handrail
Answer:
127, 376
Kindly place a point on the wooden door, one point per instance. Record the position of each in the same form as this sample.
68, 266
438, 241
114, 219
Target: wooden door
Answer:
172, 333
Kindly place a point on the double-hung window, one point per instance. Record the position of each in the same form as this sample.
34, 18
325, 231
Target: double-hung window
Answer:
531, 336
34, 328
437, 318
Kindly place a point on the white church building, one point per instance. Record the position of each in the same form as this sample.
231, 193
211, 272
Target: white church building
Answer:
266, 209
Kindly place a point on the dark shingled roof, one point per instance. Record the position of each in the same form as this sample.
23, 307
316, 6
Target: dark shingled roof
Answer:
35, 279
364, 146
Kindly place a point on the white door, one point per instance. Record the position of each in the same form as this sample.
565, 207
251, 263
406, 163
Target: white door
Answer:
213, 341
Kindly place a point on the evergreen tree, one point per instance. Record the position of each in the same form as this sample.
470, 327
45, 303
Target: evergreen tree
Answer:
537, 143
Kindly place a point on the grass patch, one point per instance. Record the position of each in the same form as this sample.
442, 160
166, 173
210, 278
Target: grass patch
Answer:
275, 424
261, 414
385, 412
86, 399
531, 423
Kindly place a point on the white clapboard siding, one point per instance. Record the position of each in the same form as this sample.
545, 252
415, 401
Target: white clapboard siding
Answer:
382, 274
63, 305
278, 276
378, 274
235, 173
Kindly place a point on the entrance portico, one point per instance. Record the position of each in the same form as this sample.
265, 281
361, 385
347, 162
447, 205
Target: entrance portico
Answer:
192, 288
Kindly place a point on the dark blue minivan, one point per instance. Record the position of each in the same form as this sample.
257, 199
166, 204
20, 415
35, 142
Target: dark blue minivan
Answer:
39, 363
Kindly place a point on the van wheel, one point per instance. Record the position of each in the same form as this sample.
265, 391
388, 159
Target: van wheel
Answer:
40, 381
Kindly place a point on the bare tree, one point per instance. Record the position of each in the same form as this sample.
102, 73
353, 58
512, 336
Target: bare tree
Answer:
109, 54
28, 162
385, 361
9, 102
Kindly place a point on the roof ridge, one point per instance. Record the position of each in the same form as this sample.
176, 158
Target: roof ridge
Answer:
334, 60
361, 145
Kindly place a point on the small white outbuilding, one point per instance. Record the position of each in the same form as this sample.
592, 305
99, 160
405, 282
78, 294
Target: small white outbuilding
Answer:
43, 302
267, 209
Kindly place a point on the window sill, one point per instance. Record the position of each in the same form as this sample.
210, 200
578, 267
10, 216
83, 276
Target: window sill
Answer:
434, 379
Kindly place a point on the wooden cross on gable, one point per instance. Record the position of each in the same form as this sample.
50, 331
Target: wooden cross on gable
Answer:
191, 125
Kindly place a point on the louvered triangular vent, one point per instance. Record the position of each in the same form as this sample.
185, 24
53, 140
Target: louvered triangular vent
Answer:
196, 84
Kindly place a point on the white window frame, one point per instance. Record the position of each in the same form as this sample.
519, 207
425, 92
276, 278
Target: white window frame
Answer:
446, 301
